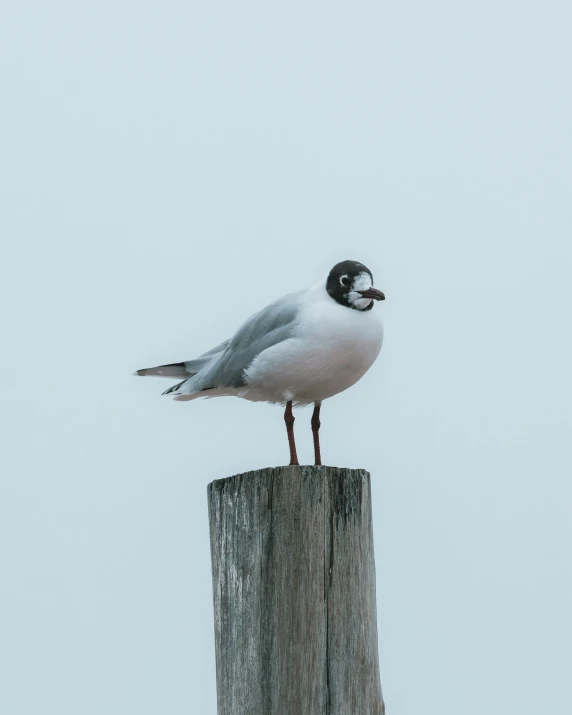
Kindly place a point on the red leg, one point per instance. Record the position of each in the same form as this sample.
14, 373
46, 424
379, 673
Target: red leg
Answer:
316, 433
289, 419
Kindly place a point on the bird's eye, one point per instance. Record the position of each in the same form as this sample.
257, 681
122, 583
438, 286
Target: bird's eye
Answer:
345, 281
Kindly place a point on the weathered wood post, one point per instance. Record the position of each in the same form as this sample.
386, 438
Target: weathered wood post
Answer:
294, 593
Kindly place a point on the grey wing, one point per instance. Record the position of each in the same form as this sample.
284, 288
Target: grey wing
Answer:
214, 351
270, 326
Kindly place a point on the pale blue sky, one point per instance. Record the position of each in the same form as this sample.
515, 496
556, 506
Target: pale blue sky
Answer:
168, 168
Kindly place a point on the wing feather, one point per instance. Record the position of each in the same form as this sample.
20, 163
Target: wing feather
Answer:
270, 326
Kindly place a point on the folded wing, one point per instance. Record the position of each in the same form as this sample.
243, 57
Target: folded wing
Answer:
226, 368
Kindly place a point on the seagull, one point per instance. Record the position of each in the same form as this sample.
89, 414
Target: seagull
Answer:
301, 349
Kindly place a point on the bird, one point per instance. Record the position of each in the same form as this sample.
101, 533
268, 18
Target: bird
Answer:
299, 350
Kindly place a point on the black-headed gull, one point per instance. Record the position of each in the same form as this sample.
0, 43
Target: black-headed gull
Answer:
300, 349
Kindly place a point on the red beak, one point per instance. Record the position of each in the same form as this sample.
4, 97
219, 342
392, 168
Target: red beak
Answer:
372, 293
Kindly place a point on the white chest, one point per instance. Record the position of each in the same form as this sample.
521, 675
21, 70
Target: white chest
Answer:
343, 341
333, 347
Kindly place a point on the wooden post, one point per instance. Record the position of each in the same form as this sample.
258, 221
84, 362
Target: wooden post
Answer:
294, 593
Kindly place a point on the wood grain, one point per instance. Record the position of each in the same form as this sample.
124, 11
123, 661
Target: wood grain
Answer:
294, 593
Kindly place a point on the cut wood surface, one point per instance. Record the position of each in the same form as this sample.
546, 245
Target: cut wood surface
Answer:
294, 593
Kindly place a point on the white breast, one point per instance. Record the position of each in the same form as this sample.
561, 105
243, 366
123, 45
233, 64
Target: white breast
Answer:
331, 349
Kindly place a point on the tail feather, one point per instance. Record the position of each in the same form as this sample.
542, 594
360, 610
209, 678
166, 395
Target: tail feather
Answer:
175, 369
184, 371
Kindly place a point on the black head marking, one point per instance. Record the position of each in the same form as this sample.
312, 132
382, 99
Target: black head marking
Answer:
341, 279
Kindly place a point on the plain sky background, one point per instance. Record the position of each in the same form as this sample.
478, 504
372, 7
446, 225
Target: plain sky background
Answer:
168, 168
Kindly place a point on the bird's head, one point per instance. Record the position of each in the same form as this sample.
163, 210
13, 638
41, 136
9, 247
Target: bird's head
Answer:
351, 284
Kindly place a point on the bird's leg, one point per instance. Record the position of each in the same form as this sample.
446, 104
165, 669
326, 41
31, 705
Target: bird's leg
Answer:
289, 419
316, 433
